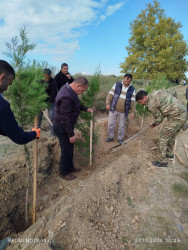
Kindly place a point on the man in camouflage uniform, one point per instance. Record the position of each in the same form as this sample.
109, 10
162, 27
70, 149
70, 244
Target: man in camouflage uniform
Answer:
162, 104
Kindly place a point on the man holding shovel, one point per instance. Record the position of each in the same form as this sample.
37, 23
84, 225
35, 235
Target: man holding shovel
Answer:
162, 104
8, 125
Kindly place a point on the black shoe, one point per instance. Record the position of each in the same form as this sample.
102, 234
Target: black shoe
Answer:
109, 139
170, 156
76, 170
185, 126
68, 177
120, 142
158, 164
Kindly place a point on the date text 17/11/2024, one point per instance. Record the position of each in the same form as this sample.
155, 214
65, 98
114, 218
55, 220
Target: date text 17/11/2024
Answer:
157, 240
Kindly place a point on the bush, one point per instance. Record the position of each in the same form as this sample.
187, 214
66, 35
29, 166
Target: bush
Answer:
160, 82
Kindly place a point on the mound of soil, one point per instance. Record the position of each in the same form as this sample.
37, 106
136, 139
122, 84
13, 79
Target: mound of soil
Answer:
121, 202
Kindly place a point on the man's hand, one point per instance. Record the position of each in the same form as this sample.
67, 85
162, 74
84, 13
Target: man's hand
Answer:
151, 125
91, 110
132, 114
37, 130
108, 107
68, 76
72, 139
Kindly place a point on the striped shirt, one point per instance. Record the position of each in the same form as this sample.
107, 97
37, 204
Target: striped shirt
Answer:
120, 107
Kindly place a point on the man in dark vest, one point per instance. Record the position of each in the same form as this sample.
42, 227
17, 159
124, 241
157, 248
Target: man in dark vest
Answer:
120, 102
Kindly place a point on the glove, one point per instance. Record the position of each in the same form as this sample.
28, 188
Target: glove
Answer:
37, 130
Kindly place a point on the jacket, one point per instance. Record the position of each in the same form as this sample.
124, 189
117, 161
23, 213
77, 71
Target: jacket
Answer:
51, 90
162, 104
67, 109
9, 126
62, 79
117, 94
121, 101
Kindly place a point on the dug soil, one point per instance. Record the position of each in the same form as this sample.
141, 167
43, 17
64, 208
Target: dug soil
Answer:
121, 202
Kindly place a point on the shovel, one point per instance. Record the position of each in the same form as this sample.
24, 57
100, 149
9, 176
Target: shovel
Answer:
47, 118
132, 137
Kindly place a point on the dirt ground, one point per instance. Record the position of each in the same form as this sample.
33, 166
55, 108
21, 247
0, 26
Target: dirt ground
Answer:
120, 202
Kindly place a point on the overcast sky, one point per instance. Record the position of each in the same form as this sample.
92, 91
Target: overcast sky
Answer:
82, 33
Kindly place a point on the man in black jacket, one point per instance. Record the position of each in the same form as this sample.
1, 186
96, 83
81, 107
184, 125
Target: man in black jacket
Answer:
8, 125
67, 109
63, 76
51, 90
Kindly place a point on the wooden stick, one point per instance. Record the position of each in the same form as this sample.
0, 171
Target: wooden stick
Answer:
91, 142
142, 122
186, 150
179, 157
175, 145
35, 156
126, 128
48, 119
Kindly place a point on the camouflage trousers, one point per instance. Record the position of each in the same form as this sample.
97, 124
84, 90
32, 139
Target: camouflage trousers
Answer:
167, 136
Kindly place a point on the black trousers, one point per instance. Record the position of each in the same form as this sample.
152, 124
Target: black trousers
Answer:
67, 148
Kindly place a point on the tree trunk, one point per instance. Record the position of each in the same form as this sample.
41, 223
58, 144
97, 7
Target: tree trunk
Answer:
147, 82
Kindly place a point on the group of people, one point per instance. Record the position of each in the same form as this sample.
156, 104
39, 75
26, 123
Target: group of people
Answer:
53, 87
64, 108
162, 104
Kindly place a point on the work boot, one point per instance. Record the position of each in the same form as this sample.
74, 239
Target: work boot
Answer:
76, 170
68, 177
109, 139
120, 142
185, 126
158, 164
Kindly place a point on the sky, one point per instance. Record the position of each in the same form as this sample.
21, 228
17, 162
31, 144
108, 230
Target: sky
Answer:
85, 34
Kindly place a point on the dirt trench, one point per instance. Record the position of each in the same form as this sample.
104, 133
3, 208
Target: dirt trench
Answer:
14, 179
121, 202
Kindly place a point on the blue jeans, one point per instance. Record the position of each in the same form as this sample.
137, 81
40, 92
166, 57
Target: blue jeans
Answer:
51, 117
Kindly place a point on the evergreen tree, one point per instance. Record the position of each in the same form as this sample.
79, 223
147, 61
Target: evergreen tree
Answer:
26, 95
88, 99
17, 52
156, 46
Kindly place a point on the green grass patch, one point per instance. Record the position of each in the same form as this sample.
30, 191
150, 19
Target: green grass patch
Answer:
180, 189
130, 203
125, 242
184, 175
